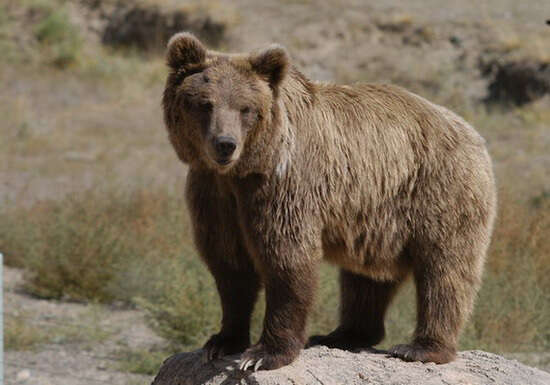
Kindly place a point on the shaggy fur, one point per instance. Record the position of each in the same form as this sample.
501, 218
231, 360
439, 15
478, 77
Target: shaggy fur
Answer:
369, 177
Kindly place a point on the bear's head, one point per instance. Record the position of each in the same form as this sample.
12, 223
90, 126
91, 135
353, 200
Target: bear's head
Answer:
220, 109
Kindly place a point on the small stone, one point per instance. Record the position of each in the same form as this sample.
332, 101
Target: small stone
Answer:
455, 40
23, 375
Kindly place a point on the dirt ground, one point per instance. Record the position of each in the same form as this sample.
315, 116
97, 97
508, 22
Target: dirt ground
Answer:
89, 339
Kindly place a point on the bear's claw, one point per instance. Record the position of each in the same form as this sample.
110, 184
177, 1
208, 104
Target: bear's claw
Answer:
249, 363
418, 352
257, 358
220, 345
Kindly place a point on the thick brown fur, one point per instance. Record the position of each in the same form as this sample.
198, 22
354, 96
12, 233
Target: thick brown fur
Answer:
370, 177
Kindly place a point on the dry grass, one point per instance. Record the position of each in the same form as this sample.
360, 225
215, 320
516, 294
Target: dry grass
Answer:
136, 248
94, 245
23, 331
518, 42
20, 334
512, 312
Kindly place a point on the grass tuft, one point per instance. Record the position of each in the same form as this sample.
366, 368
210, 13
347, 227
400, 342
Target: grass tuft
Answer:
60, 38
19, 334
141, 361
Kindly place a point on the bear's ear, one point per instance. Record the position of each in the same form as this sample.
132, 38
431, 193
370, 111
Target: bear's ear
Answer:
184, 50
272, 63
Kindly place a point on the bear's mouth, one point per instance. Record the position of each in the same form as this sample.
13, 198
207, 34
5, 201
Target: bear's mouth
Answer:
223, 162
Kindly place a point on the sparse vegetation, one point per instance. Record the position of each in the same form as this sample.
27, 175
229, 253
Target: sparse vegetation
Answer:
512, 312
141, 361
93, 246
22, 331
20, 334
59, 37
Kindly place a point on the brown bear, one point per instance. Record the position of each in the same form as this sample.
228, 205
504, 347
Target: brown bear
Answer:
284, 172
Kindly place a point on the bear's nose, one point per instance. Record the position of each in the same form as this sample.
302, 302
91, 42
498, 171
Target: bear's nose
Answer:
225, 146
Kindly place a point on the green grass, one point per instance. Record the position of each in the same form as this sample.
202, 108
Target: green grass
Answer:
60, 37
45, 26
141, 361
183, 305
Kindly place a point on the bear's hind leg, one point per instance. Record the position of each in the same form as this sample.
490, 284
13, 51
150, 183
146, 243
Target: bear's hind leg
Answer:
445, 286
363, 306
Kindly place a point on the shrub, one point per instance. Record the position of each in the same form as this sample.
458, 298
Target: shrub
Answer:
182, 304
88, 246
60, 37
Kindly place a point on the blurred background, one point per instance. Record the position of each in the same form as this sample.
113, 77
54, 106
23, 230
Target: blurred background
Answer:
101, 280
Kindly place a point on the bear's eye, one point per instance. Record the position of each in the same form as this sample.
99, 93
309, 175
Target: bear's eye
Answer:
245, 110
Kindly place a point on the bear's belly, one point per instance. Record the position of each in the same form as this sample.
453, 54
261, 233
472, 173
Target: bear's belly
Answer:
366, 254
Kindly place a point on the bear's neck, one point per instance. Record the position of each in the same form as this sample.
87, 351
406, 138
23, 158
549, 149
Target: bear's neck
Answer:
297, 103
297, 93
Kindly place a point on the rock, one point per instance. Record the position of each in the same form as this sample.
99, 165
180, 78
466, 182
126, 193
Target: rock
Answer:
517, 82
321, 365
148, 27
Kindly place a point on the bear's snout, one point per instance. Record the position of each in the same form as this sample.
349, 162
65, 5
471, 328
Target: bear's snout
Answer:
225, 147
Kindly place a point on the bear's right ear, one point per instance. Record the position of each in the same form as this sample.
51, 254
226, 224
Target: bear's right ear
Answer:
184, 50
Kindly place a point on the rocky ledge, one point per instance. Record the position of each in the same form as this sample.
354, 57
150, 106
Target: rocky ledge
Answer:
321, 365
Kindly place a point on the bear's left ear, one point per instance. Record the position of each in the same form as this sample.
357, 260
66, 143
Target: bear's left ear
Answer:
272, 63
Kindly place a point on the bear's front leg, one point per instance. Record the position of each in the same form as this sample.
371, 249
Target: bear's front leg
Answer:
289, 295
219, 241
283, 237
238, 290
